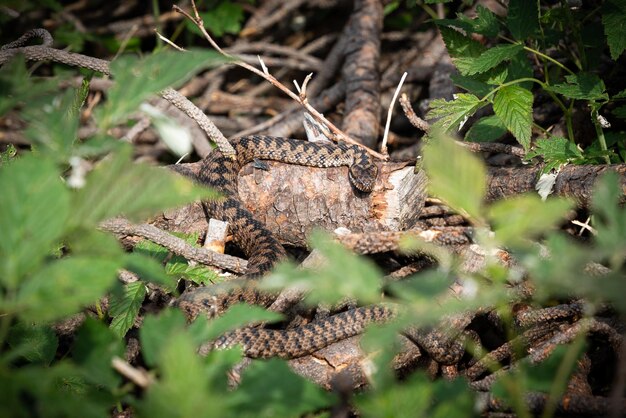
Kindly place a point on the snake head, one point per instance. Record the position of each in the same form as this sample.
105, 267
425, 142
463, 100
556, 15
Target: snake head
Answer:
202, 300
363, 175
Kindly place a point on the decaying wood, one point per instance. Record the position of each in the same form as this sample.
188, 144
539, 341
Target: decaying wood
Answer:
292, 200
360, 72
574, 181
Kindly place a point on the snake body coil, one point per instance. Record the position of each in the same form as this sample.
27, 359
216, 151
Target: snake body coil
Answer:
263, 250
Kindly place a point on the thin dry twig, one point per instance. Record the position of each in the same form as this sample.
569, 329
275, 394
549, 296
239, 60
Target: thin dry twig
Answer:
415, 120
383, 147
139, 377
176, 245
197, 20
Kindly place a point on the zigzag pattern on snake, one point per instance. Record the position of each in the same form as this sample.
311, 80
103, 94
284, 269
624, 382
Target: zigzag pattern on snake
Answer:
263, 250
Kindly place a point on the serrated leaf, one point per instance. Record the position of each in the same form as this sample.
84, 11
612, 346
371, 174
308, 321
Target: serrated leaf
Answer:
198, 274
522, 18
459, 45
514, 106
148, 269
472, 85
487, 129
57, 391
418, 396
272, 389
137, 79
64, 286
119, 187
485, 23
520, 67
94, 348
492, 57
36, 343
455, 175
453, 113
17, 86
518, 219
156, 330
182, 389
34, 209
344, 275
583, 86
620, 95
610, 218
555, 152
124, 308
614, 21
53, 126
225, 18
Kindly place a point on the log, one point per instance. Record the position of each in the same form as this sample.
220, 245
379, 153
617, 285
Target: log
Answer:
293, 200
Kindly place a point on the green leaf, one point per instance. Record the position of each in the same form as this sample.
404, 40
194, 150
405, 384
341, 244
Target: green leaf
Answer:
137, 79
459, 45
225, 18
64, 286
530, 377
271, 389
614, 21
34, 209
492, 57
455, 175
619, 112
124, 308
156, 330
418, 396
522, 18
18, 87
584, 86
344, 275
53, 126
120, 187
92, 242
485, 23
518, 219
555, 151
453, 113
514, 106
620, 95
149, 270
610, 217
520, 67
198, 274
60, 391
148, 248
487, 129
93, 351
182, 389
472, 85
36, 343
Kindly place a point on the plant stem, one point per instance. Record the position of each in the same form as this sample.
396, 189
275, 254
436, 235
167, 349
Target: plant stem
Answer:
552, 60
599, 133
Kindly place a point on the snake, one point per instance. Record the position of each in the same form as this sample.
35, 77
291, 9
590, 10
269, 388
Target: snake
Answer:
219, 171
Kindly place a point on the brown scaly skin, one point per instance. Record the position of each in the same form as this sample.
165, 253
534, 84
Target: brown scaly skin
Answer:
263, 250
